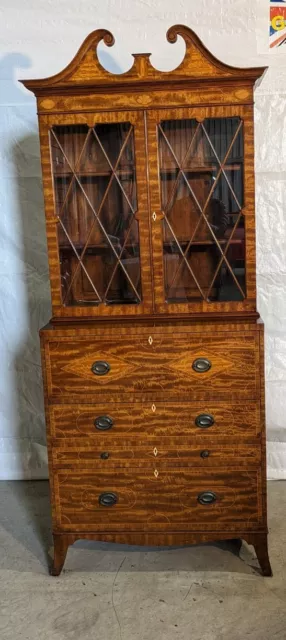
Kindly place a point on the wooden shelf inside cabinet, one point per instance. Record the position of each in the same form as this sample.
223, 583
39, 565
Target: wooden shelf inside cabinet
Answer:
124, 173
202, 169
199, 243
100, 248
130, 247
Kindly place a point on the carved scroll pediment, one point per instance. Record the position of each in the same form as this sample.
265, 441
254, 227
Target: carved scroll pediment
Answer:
85, 70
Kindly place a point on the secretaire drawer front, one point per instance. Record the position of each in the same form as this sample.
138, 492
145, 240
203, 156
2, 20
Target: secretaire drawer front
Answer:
178, 365
170, 500
202, 421
152, 453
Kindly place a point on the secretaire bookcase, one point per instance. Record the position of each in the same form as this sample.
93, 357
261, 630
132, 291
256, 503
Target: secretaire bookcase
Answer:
153, 359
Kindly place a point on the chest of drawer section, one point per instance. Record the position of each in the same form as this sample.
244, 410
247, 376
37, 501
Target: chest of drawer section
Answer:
132, 454
155, 436
154, 430
170, 500
202, 421
153, 367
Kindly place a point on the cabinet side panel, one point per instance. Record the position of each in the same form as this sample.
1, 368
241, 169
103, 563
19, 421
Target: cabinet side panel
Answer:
51, 221
263, 426
48, 430
249, 208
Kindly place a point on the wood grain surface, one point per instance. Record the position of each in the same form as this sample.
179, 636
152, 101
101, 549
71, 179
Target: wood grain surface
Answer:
160, 367
85, 70
166, 502
153, 453
233, 422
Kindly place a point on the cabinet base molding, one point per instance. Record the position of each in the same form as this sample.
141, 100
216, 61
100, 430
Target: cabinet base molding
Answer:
62, 541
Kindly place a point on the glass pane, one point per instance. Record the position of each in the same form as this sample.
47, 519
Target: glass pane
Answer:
67, 143
201, 172
112, 138
96, 201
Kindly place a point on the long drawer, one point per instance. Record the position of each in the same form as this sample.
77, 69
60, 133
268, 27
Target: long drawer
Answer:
180, 365
201, 421
151, 453
168, 500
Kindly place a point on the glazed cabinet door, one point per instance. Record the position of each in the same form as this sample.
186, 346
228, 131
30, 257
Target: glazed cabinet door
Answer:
202, 209
94, 168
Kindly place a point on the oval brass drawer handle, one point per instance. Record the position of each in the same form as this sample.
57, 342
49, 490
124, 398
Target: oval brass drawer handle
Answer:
108, 499
100, 368
201, 365
103, 423
204, 420
207, 497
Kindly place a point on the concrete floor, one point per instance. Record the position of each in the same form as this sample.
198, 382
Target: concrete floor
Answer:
112, 592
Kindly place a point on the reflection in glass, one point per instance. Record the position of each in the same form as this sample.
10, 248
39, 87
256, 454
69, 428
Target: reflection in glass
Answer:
96, 201
201, 171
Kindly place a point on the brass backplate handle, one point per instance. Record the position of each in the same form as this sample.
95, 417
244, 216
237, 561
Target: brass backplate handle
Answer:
204, 420
207, 497
103, 423
201, 365
108, 499
100, 368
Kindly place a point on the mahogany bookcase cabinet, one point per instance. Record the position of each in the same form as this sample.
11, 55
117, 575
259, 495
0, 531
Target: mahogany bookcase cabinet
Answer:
153, 359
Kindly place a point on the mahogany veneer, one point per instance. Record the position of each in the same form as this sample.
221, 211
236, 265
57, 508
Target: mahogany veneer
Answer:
153, 360
231, 420
166, 502
155, 363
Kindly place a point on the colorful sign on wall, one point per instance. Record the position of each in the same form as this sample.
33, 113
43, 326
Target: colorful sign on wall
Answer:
277, 28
